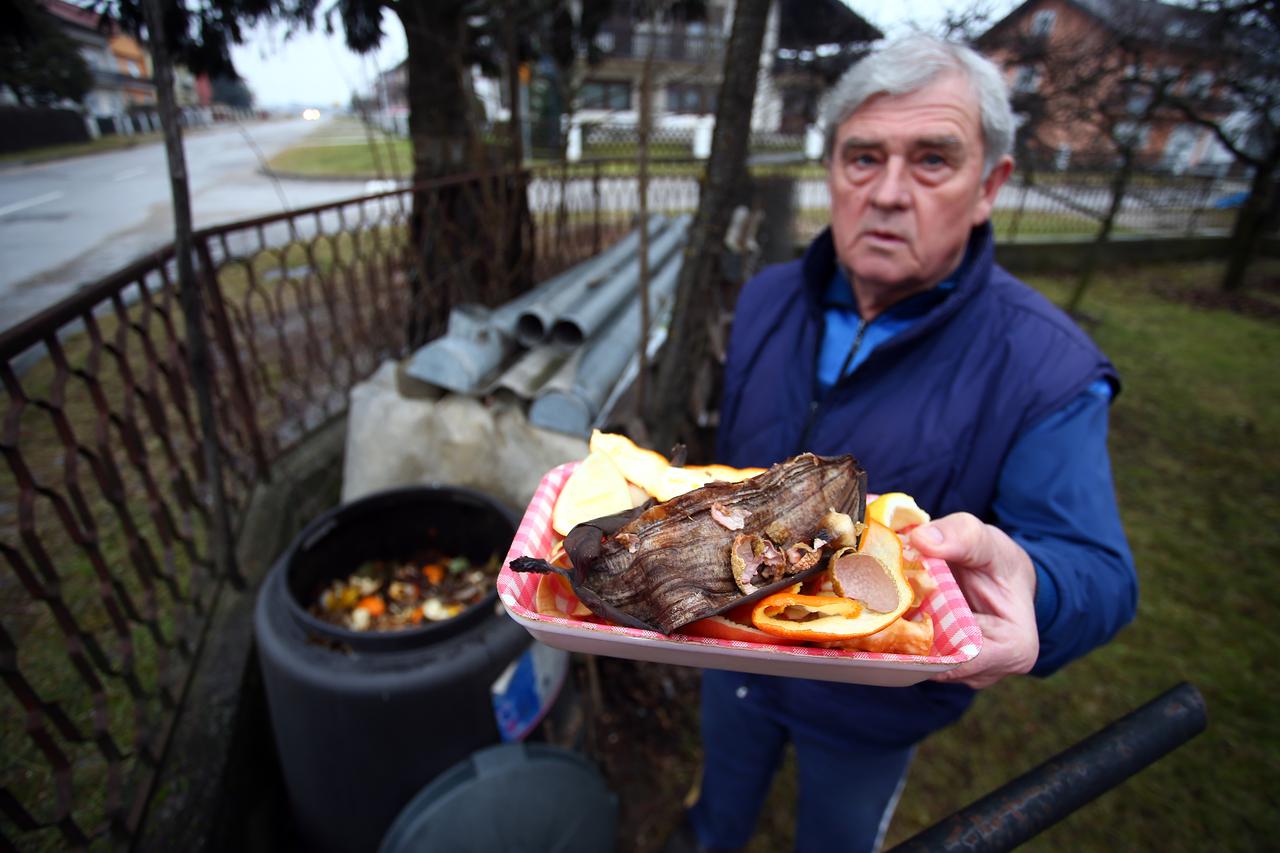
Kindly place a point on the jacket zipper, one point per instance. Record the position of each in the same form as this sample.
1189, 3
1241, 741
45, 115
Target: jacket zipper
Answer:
814, 405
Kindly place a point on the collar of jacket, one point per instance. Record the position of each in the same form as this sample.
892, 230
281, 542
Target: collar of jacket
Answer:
819, 264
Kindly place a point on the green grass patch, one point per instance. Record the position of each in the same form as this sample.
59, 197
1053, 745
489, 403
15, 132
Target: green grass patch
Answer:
381, 159
1195, 440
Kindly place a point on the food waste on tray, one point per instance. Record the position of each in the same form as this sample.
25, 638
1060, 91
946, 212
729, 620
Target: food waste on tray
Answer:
786, 555
386, 595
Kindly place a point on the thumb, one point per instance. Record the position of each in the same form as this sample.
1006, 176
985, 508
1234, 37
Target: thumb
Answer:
960, 539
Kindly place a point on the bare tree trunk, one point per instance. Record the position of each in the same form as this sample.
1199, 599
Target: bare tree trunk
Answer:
1119, 189
189, 290
442, 145
1251, 223
670, 414
470, 240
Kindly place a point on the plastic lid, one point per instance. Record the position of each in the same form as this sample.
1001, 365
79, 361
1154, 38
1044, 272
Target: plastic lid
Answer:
512, 797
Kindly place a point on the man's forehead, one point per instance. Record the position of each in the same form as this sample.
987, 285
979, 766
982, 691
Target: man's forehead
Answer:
946, 106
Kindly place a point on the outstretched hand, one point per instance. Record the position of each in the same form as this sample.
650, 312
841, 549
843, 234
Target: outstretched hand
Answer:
999, 582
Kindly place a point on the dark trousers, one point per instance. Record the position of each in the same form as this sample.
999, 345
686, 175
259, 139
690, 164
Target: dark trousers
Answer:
847, 789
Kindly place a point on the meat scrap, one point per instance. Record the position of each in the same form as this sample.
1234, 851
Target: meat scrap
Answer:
729, 518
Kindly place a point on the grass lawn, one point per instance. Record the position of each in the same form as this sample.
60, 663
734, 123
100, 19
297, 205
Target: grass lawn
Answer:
1196, 449
339, 149
393, 158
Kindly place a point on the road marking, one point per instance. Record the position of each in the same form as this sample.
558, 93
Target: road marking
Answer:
129, 173
31, 202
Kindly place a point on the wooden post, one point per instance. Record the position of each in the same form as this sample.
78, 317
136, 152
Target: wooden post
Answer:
191, 296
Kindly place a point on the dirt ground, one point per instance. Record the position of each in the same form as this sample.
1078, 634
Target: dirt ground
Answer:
642, 732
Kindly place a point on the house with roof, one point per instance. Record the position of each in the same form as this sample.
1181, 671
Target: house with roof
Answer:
1087, 75
807, 44
123, 97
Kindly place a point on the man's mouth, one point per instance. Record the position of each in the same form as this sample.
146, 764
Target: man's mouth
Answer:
884, 236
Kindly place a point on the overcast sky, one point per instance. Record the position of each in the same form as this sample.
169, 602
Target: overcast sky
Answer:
307, 69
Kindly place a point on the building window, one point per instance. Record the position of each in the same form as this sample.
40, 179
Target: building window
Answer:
1132, 134
1042, 22
605, 95
1137, 98
1178, 149
695, 35
693, 98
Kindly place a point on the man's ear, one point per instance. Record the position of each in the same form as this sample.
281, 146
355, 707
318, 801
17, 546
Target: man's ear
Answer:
991, 185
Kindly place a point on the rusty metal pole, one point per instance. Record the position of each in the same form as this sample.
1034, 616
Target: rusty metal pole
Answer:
1041, 797
189, 291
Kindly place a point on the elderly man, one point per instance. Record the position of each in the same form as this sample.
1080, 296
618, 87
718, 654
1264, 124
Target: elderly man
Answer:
898, 339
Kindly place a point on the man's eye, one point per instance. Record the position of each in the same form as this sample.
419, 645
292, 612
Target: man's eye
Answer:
862, 160
933, 160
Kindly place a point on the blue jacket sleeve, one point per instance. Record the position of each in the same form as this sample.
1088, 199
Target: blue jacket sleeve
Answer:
1056, 499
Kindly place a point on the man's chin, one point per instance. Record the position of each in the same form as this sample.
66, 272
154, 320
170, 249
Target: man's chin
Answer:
884, 276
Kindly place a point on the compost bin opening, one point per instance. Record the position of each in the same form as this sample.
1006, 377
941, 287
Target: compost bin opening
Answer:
394, 526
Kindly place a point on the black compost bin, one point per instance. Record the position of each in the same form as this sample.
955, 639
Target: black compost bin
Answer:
363, 721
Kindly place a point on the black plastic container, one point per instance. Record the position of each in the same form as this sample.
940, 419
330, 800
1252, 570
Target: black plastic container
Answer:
362, 721
512, 797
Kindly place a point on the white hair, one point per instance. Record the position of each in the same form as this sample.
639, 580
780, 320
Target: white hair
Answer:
908, 65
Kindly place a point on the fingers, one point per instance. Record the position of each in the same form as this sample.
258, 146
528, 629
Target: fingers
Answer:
960, 539
1007, 649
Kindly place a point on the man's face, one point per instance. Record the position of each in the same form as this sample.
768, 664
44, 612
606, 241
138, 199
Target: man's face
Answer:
906, 188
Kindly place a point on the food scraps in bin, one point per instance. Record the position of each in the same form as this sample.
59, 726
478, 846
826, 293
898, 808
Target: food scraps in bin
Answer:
625, 565
390, 596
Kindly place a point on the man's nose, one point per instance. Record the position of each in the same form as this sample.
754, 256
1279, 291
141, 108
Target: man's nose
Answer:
891, 189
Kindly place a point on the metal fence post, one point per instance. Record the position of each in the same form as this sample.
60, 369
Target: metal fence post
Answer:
1039, 798
595, 208
222, 334
1202, 198
190, 292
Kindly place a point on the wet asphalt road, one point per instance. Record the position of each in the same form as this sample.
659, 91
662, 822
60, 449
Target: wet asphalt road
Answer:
67, 223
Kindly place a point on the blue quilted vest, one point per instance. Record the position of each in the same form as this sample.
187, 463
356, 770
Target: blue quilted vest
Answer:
932, 412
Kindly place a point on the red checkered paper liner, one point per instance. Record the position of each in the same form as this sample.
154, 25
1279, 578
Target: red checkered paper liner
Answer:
956, 637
